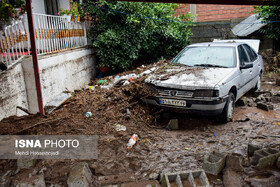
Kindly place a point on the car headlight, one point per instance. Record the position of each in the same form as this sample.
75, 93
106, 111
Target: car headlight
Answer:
206, 93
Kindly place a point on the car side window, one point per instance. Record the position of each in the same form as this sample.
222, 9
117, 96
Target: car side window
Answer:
243, 58
250, 52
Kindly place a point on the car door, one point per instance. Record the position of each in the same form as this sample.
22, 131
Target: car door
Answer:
254, 58
245, 75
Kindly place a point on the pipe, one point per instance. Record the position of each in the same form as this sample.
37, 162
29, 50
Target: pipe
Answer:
35, 57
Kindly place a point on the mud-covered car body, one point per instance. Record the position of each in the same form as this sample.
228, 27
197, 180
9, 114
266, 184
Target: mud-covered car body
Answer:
204, 86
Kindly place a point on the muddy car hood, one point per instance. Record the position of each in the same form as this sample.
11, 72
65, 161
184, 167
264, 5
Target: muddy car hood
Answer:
190, 78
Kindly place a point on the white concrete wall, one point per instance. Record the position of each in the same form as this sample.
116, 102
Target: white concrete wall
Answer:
38, 6
12, 92
69, 70
65, 4
59, 72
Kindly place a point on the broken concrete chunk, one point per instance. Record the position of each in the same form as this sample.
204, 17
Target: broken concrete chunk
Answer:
267, 106
80, 175
214, 163
173, 124
265, 157
35, 181
26, 163
253, 146
234, 162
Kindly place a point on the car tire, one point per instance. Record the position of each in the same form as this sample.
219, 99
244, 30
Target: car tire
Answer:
258, 84
227, 114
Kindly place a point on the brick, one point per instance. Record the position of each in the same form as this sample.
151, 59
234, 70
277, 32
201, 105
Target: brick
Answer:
265, 157
116, 179
80, 175
173, 124
214, 163
185, 178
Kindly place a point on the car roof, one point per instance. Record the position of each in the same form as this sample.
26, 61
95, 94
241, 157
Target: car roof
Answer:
220, 44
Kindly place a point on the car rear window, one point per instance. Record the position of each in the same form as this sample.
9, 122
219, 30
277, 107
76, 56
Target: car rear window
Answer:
212, 55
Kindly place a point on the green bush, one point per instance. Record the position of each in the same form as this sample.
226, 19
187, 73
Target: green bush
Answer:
122, 38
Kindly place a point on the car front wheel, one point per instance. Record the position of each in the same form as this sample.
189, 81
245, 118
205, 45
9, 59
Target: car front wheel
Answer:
227, 114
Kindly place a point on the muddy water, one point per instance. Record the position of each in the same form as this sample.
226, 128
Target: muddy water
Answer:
161, 150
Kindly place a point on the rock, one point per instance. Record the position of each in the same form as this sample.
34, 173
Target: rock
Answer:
26, 163
254, 146
153, 176
80, 175
36, 181
173, 124
214, 163
234, 162
275, 99
231, 178
267, 106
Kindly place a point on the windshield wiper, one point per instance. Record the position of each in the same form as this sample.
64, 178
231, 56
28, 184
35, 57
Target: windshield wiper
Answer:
179, 64
210, 65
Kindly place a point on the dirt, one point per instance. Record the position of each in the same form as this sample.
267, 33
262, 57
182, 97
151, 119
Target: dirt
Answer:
157, 150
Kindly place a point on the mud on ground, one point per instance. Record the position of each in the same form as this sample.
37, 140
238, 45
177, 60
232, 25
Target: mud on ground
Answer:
157, 150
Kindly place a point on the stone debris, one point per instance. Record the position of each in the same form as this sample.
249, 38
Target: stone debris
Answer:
34, 181
26, 163
234, 162
231, 178
80, 175
214, 162
116, 179
253, 146
173, 124
265, 157
267, 106
144, 183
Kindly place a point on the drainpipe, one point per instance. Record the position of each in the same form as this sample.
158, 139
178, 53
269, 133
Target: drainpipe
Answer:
34, 57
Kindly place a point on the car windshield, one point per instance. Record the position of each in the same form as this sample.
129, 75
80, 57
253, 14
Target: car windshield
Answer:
207, 56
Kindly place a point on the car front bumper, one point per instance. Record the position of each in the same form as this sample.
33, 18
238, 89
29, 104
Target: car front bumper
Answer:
203, 106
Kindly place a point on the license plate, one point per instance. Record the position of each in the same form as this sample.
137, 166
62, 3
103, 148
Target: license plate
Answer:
172, 102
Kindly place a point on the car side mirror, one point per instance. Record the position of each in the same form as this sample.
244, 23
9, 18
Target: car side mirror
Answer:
246, 66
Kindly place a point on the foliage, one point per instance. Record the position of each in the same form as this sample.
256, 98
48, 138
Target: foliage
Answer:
11, 8
122, 38
270, 14
64, 12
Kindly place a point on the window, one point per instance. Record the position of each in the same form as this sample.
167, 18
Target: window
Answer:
210, 55
243, 58
253, 56
51, 7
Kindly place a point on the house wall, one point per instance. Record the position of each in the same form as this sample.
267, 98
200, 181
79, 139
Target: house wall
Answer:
60, 72
207, 13
38, 6
64, 71
12, 92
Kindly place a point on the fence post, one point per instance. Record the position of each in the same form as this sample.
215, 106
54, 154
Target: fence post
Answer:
35, 57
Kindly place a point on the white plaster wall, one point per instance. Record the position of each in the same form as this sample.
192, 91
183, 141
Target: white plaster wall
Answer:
12, 92
65, 4
38, 6
59, 72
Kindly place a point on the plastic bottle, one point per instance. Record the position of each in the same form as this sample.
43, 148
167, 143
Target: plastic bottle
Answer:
88, 114
132, 141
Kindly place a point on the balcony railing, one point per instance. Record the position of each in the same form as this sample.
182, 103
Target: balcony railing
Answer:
52, 33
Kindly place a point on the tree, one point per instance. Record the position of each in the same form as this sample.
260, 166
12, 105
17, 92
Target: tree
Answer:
124, 32
270, 14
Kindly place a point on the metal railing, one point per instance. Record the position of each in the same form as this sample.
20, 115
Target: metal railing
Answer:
52, 33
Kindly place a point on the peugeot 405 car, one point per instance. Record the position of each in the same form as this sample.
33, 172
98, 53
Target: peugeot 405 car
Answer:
207, 78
